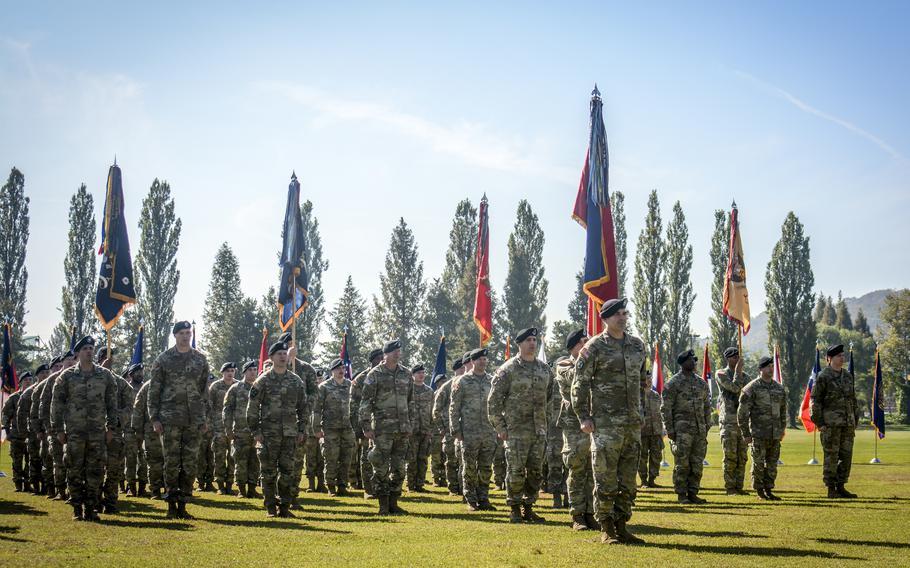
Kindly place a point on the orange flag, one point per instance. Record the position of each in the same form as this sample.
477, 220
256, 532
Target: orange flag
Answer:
736, 296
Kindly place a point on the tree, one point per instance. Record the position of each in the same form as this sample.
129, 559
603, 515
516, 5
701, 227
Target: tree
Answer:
724, 333
525, 291
310, 322
830, 317
618, 208
578, 305
396, 312
863, 357
678, 283
650, 295
861, 324
156, 265
440, 314
451, 305
895, 347
818, 315
223, 295
350, 312
78, 295
14, 231
788, 288
842, 314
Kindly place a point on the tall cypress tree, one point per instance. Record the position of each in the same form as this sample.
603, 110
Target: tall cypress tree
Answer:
441, 314
862, 324
650, 295
14, 230
223, 296
618, 208
458, 284
678, 283
830, 313
723, 332
79, 268
841, 313
526, 287
578, 305
788, 288
396, 311
349, 311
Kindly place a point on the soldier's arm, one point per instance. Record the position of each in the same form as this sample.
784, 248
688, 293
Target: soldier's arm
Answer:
9, 409
438, 409
365, 412
707, 407
666, 410
727, 383
253, 408
581, 386
457, 398
303, 411
58, 404
318, 405
496, 402
414, 421
744, 413
354, 407
153, 397
203, 385
111, 406
783, 412
34, 416
137, 419
227, 411
44, 402
815, 400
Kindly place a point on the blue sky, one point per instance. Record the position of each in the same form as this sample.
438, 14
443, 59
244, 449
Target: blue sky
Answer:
402, 109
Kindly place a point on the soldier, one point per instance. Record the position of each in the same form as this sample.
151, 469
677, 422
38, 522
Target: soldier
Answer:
277, 416
470, 425
387, 416
16, 436
419, 443
84, 416
363, 445
176, 407
731, 381
835, 412
149, 441
237, 431
441, 401
205, 468
576, 445
652, 436
686, 411
40, 414
136, 466
606, 395
221, 451
517, 409
437, 455
23, 409
332, 424
556, 473
115, 451
308, 452
762, 415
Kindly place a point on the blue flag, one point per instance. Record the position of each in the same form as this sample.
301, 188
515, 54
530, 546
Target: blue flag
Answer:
136, 359
10, 381
115, 279
440, 367
193, 344
878, 399
345, 358
293, 289
73, 338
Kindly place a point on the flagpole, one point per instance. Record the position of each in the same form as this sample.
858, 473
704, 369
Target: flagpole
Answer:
813, 461
294, 320
875, 459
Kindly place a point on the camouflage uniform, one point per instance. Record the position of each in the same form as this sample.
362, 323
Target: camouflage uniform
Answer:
54, 467
556, 474
233, 417
517, 407
205, 462
576, 445
115, 454
437, 457
331, 416
499, 464
762, 416
308, 452
389, 410
441, 401
468, 418
652, 438
278, 412
686, 411
735, 456
176, 398
834, 407
419, 443
221, 451
136, 466
18, 445
34, 443
148, 440
363, 445
609, 377
84, 407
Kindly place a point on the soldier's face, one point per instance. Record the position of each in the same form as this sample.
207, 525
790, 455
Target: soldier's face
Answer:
393, 357
528, 346
229, 375
838, 360
480, 365
689, 364
183, 338
279, 358
42, 375
338, 374
732, 361
69, 362
249, 375
56, 367
576, 349
420, 377
618, 320
766, 372
86, 354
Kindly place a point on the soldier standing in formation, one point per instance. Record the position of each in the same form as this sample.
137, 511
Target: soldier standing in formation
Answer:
762, 416
556, 472
221, 446
149, 441
23, 409
136, 466
731, 381
441, 401
40, 417
332, 424
363, 444
16, 436
115, 450
652, 436
835, 412
237, 432
419, 443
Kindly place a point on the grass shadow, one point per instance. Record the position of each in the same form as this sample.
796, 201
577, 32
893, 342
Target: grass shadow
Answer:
19, 508
773, 551
150, 524
875, 543
6, 531
648, 529
229, 505
272, 524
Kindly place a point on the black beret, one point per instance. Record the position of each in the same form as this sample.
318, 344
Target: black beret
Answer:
610, 307
835, 349
228, 366
285, 337
417, 368
731, 352
681, 358
457, 364
103, 353
278, 346
42, 367
133, 368
335, 364
57, 360
574, 337
25, 375
374, 354
180, 326
525, 333
478, 353
87, 340
764, 362
393, 345
439, 378
71, 354
466, 357
249, 365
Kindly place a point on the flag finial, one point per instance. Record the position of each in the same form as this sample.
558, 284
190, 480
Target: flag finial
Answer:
115, 159
734, 204
596, 92
293, 175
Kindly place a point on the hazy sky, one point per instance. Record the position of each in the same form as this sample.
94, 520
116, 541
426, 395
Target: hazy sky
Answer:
392, 110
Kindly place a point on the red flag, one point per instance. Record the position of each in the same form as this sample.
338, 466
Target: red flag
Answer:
263, 349
778, 376
706, 367
657, 373
508, 348
483, 306
804, 415
736, 296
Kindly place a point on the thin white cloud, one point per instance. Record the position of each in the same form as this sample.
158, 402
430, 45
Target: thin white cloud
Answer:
806, 107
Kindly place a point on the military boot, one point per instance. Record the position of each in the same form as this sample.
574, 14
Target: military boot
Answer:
295, 504
36, 488
241, 490
771, 496
393, 505
181, 511
271, 511
557, 501
384, 505
342, 491
608, 532
142, 492
311, 483
472, 506
320, 487
221, 488
578, 523
171, 510
332, 490
844, 493
591, 522
624, 535
284, 511
51, 491
251, 491
761, 494
18, 487
833, 493
110, 509
732, 491
131, 489
77, 512
27, 487
529, 515
683, 499
156, 494
515, 514
228, 488
485, 505
694, 498
89, 513
122, 486
209, 487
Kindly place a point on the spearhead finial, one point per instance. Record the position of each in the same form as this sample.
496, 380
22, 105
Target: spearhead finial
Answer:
293, 175
734, 204
115, 160
484, 198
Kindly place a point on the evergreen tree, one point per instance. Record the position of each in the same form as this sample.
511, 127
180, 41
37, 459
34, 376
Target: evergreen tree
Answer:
818, 314
678, 283
349, 312
862, 325
650, 295
723, 332
618, 208
79, 268
830, 313
245, 325
458, 283
396, 312
525, 292
788, 288
895, 348
14, 231
223, 296
578, 305
842, 317
440, 314
310, 322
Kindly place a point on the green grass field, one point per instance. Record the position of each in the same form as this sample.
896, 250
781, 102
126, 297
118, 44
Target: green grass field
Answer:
804, 529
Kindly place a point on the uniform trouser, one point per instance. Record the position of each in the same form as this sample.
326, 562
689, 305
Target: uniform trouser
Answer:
366, 468
837, 442
59, 467
388, 455
418, 456
113, 470
477, 466
524, 467
437, 459
153, 452
499, 462
34, 459
181, 458
649, 459
46, 456
354, 470
453, 465
765, 453
556, 475
18, 453
134, 457
314, 464
221, 458
277, 462
205, 468
576, 453
735, 458
337, 447
84, 457
246, 462
615, 451
688, 456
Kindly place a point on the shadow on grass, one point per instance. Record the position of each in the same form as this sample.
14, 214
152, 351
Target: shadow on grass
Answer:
163, 523
875, 543
229, 505
648, 529
19, 508
6, 531
272, 524
137, 506
774, 551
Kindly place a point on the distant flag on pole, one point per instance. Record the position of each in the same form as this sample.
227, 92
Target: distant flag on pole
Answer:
293, 290
73, 338
778, 376
657, 373
706, 372
736, 296
508, 353
804, 408
850, 366
483, 302
440, 367
542, 351
193, 342
136, 358
345, 358
878, 399
263, 349
115, 279
10, 380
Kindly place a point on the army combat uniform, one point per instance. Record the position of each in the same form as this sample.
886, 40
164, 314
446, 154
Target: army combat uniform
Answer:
54, 466
576, 447
136, 466
441, 401
652, 438
236, 428
762, 416
35, 443
149, 441
363, 445
331, 416
419, 443
834, 408
308, 453
221, 447
468, 419
113, 469
734, 444
18, 445
686, 412
205, 463
556, 475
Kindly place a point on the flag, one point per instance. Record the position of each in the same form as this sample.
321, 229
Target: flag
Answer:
508, 353
193, 342
73, 338
878, 399
804, 408
263, 349
850, 366
483, 304
293, 289
593, 213
136, 359
736, 296
542, 351
440, 367
10, 381
345, 358
778, 376
706, 373
657, 373
115, 279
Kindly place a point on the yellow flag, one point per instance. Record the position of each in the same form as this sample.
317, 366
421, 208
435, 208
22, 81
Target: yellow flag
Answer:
736, 296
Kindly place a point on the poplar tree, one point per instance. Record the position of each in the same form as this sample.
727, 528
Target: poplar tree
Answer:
526, 287
650, 295
14, 231
723, 332
678, 283
350, 311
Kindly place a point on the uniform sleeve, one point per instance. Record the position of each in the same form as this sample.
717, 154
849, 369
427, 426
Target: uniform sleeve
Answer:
783, 412
496, 403
744, 413
137, 420
227, 411
44, 402
455, 409
303, 410
414, 421
727, 383
156, 384
440, 412
365, 412
9, 410
582, 384
354, 407
22, 410
58, 403
111, 403
816, 398
203, 386
708, 421
34, 415
318, 405
666, 408
254, 408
